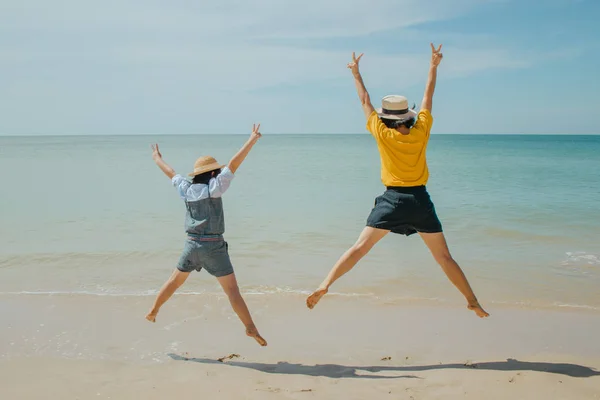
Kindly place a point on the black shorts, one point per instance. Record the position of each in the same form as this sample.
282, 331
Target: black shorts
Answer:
405, 210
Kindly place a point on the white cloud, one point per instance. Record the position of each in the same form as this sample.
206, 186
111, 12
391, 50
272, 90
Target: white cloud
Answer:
266, 18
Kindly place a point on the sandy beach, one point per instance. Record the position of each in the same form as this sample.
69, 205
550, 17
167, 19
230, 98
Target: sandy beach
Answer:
100, 347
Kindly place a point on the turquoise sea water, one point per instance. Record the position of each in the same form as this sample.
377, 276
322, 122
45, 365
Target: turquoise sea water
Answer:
94, 215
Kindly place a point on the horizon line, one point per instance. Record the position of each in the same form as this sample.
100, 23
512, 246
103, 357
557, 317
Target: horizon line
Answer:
278, 134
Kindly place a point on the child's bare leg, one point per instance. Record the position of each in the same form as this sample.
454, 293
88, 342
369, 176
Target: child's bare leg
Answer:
230, 286
171, 285
436, 242
367, 239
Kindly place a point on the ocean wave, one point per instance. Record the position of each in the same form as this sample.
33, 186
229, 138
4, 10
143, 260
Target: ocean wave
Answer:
81, 293
581, 259
579, 306
542, 305
288, 291
153, 292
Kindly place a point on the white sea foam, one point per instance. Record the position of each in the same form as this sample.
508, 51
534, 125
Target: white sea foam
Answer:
580, 306
286, 291
581, 258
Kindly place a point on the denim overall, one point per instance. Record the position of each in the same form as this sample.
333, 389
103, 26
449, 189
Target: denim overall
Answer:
204, 218
205, 247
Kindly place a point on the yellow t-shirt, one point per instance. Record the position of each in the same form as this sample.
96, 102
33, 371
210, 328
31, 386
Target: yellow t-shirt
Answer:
402, 156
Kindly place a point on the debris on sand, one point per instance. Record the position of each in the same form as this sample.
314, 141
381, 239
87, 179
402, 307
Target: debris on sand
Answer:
229, 357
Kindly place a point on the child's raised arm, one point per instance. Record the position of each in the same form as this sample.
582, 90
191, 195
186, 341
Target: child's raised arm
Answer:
157, 157
240, 156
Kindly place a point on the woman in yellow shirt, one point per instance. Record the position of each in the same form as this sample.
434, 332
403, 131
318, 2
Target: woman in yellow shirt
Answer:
405, 207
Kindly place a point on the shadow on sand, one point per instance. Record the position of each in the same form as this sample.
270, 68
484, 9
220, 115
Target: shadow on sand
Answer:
343, 371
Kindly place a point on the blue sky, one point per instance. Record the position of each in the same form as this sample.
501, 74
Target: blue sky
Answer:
186, 67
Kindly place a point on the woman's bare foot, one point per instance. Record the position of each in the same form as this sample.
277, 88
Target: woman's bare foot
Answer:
478, 310
314, 298
253, 333
152, 316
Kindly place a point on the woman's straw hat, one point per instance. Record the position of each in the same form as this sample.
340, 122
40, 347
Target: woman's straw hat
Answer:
205, 164
396, 108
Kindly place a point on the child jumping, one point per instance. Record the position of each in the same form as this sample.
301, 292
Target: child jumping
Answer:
205, 246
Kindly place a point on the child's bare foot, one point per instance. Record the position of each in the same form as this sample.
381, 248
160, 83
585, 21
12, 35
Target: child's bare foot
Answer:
475, 306
152, 316
253, 333
314, 298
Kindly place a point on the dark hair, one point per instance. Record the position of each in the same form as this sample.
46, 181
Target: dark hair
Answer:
206, 176
394, 123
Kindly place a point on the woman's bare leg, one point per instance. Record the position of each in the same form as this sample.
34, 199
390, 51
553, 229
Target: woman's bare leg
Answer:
230, 286
367, 239
436, 242
171, 285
